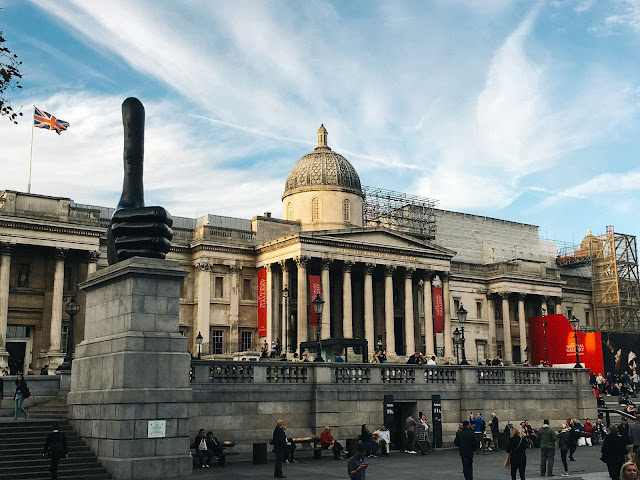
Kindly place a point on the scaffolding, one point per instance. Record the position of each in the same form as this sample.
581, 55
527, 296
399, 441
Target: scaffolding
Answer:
399, 211
615, 282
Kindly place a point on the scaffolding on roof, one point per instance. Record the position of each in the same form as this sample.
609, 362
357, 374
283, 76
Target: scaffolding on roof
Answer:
399, 211
615, 281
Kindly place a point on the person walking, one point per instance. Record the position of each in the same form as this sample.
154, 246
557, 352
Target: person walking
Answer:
423, 435
517, 448
467, 443
573, 438
357, 465
279, 446
22, 392
479, 427
547, 448
411, 432
614, 452
56, 447
564, 444
495, 431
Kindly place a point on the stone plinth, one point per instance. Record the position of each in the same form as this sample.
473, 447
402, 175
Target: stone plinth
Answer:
133, 368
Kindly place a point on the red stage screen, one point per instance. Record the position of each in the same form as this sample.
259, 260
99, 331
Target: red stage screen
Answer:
438, 310
315, 288
262, 302
561, 346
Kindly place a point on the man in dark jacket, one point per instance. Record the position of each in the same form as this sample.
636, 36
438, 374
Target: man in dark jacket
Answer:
467, 443
495, 431
279, 446
56, 447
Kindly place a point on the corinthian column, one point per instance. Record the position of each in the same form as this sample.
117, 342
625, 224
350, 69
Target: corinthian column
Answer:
428, 315
506, 328
491, 316
5, 266
234, 308
93, 262
369, 333
389, 328
204, 307
326, 296
55, 353
409, 330
448, 340
302, 300
522, 327
347, 307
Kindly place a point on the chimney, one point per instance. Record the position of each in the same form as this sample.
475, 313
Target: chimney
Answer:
267, 214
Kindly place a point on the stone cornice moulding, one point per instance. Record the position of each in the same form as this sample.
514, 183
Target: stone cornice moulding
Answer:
66, 229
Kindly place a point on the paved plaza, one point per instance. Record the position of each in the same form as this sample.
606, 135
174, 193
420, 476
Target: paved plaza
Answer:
441, 465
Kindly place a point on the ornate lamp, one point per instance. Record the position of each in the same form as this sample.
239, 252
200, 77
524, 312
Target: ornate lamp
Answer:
72, 308
199, 342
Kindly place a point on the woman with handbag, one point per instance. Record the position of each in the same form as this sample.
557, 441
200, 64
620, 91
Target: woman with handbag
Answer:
22, 392
517, 449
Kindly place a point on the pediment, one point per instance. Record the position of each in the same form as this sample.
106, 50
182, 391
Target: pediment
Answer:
378, 237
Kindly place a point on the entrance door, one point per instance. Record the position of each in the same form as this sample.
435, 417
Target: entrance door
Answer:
17, 352
402, 411
398, 330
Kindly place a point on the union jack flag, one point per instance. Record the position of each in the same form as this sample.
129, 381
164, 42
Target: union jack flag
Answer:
42, 119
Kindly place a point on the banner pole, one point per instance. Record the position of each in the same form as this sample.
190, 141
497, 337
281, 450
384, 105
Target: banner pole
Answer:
31, 151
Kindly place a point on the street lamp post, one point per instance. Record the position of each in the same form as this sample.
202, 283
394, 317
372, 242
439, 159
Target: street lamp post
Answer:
72, 309
462, 317
457, 340
575, 322
285, 319
199, 342
544, 329
318, 306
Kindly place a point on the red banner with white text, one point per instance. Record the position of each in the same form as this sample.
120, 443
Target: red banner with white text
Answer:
438, 310
559, 338
315, 288
262, 302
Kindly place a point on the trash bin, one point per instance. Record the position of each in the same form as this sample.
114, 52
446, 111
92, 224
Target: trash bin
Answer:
259, 453
352, 443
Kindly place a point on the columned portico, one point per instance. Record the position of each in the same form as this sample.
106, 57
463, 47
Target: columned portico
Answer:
558, 305
506, 326
55, 354
428, 315
326, 296
347, 307
389, 328
409, 333
369, 333
5, 269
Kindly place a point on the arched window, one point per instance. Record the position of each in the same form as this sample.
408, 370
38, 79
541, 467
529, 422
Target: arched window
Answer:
315, 209
289, 211
346, 209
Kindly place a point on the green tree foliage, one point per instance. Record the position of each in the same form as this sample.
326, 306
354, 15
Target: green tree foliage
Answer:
9, 79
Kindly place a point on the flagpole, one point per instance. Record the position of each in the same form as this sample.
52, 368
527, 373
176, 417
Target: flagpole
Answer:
31, 151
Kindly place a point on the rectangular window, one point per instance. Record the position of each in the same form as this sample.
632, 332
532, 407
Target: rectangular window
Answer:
217, 342
17, 331
481, 352
63, 337
245, 339
500, 350
218, 287
456, 306
569, 313
587, 317
478, 308
247, 291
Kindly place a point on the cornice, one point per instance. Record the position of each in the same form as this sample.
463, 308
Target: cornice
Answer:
66, 229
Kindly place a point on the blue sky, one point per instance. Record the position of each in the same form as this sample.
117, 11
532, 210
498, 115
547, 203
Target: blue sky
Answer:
519, 110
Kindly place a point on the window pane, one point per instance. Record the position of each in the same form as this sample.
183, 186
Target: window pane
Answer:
246, 341
218, 287
217, 342
246, 289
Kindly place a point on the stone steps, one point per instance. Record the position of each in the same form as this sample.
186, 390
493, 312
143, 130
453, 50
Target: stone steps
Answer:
21, 445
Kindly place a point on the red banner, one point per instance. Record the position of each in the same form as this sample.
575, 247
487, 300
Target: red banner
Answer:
315, 288
561, 344
438, 310
262, 302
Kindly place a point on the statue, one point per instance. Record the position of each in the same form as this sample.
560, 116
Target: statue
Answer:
136, 230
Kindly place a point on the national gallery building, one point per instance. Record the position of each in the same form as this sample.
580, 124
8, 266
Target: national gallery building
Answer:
390, 268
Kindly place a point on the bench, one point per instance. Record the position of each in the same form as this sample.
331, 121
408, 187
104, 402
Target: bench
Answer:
226, 445
307, 444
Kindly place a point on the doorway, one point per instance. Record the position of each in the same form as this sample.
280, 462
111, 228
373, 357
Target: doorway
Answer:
17, 353
401, 412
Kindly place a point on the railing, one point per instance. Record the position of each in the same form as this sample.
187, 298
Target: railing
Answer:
352, 375
273, 371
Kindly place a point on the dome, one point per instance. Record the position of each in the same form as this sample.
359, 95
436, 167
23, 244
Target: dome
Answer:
322, 168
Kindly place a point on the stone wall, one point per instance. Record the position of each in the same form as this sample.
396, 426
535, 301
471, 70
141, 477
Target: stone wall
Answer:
242, 401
